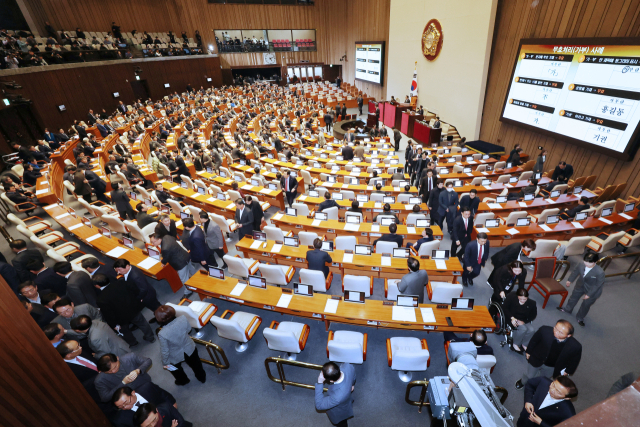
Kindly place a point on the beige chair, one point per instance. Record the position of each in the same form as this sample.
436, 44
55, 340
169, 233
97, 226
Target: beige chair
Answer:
358, 283
406, 355
136, 232
541, 218
599, 245
115, 224
36, 227
513, 217
240, 327
241, 267
347, 347
544, 248
289, 337
575, 246
443, 292
198, 313
279, 275
316, 279
481, 218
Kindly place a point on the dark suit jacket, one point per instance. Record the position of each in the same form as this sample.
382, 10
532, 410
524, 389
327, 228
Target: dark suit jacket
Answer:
80, 289
198, 248
434, 199
390, 238
293, 184
173, 254
145, 219
137, 279
152, 393
579, 208
119, 303
121, 200
471, 254
19, 262
506, 255
567, 172
470, 203
81, 188
460, 232
9, 275
540, 345
84, 374
535, 391
162, 231
97, 183
330, 203
103, 130
42, 315
424, 186
447, 200
182, 167
246, 222
317, 260
451, 337
258, 214
502, 277
347, 153
49, 279
526, 312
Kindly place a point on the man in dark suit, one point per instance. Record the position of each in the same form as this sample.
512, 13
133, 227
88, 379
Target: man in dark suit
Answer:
122, 201
415, 281
472, 201
475, 256
508, 254
563, 169
23, 256
552, 351
137, 281
547, 402
61, 137
47, 277
256, 210
130, 369
82, 186
392, 237
41, 314
92, 118
478, 338
347, 153
419, 166
583, 204
317, 259
126, 399
182, 167
290, 186
589, 279
97, 184
343, 111
142, 217
427, 184
409, 154
198, 248
167, 414
397, 136
9, 275
448, 206
434, 203
122, 108
327, 203
51, 138
80, 288
104, 132
462, 229
243, 217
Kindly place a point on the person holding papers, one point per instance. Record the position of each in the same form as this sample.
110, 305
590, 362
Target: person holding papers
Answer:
317, 259
175, 255
475, 257
414, 282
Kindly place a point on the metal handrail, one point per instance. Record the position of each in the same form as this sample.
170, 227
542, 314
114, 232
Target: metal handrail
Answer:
604, 263
423, 394
559, 265
280, 366
216, 353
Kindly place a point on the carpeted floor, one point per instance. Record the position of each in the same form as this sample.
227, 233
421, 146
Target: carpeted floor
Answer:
244, 396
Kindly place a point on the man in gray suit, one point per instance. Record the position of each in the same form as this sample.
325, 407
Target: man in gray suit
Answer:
121, 199
130, 370
244, 218
213, 237
80, 288
588, 286
102, 339
67, 311
340, 384
175, 255
414, 282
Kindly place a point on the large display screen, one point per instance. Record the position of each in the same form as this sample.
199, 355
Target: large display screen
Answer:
584, 91
370, 62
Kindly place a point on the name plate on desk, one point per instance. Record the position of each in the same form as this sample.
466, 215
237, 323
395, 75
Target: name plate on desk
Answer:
388, 303
331, 231
375, 234
429, 328
287, 291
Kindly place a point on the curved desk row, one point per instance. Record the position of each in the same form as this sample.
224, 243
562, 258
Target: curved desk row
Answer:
373, 313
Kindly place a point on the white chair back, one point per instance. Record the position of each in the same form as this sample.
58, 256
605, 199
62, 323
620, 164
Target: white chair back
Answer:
236, 265
114, 223
314, 278
281, 340
301, 209
183, 310
429, 247
332, 213
443, 292
386, 247
274, 233
307, 238
357, 283
273, 274
346, 242
229, 329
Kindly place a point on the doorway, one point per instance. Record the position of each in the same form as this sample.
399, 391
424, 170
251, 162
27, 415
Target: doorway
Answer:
140, 89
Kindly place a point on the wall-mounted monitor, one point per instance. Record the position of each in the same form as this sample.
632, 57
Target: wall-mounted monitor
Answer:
584, 91
369, 57
166, 85
116, 94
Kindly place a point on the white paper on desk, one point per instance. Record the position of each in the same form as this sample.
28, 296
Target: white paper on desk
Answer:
355, 174
522, 204
117, 252
472, 162
237, 290
545, 227
352, 227
347, 258
92, 238
508, 185
375, 228
247, 187
211, 199
396, 188
46, 190
403, 314
302, 198
196, 195
345, 185
488, 187
411, 230
512, 231
265, 191
441, 264
482, 230
427, 315
50, 206
469, 174
148, 263
369, 187
257, 244
385, 261
284, 300
63, 215
276, 248
73, 227
316, 222
178, 223
230, 206
174, 188
606, 221
494, 205
229, 182
484, 173
576, 224
331, 306
277, 216
377, 205
625, 216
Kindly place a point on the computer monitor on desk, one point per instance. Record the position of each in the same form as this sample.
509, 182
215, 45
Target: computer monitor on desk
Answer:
440, 254
291, 241
401, 253
362, 198
387, 221
153, 253
363, 250
258, 282
407, 301
581, 216
216, 273
303, 290
461, 303
336, 196
327, 246
423, 223
354, 296
321, 216
388, 199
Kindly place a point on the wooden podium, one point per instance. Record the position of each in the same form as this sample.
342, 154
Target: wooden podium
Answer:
425, 134
393, 114
408, 121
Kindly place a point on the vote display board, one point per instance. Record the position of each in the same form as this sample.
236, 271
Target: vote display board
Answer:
370, 62
584, 91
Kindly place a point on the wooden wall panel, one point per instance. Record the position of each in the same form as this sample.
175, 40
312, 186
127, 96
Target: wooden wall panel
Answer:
84, 88
517, 19
338, 24
36, 387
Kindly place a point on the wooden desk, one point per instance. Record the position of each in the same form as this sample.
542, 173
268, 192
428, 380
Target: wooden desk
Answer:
408, 122
494, 188
273, 197
332, 228
562, 231
534, 206
361, 265
225, 208
347, 313
369, 209
425, 134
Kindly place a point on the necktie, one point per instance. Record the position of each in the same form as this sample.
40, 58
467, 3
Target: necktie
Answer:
480, 255
465, 224
87, 364
429, 180
286, 181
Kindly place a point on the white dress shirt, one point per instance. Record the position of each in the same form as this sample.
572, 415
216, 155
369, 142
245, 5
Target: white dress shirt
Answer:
548, 401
